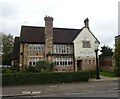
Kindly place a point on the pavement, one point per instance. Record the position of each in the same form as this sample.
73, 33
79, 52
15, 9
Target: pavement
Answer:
104, 78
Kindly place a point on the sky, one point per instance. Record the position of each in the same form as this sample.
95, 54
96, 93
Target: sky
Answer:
102, 14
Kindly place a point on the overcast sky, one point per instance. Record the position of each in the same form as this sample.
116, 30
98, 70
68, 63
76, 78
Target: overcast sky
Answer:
102, 14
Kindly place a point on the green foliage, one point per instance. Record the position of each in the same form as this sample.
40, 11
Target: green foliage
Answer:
43, 78
106, 51
92, 73
7, 41
44, 66
6, 71
107, 73
15, 68
117, 72
29, 69
117, 59
41, 66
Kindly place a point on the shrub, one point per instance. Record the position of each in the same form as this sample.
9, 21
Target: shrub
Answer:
41, 66
117, 72
92, 73
42, 78
15, 68
6, 70
30, 69
44, 66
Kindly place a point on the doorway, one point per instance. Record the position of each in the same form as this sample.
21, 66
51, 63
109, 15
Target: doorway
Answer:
79, 64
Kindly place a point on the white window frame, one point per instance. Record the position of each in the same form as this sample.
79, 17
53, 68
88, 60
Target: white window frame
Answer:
63, 61
35, 47
32, 60
62, 49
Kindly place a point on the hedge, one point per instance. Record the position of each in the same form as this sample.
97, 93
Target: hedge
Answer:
117, 72
43, 78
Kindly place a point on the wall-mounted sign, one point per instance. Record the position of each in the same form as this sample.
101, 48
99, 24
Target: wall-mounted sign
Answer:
87, 52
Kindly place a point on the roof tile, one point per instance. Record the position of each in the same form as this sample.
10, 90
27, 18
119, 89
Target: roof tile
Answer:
30, 34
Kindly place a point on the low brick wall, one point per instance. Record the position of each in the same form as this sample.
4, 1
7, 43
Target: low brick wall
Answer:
107, 68
106, 61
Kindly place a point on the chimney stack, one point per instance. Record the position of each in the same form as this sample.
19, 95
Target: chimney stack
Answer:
86, 22
48, 35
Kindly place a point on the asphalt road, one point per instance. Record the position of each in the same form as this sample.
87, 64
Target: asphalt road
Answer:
84, 89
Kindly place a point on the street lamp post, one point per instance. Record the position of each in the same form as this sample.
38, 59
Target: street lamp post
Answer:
96, 45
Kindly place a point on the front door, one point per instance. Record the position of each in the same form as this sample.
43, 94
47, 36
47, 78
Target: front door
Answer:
79, 62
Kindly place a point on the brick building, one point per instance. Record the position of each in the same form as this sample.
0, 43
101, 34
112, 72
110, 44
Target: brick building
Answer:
69, 49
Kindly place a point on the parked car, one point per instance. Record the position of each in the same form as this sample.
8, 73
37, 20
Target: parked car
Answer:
5, 66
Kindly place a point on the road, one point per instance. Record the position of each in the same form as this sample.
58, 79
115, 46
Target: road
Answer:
82, 89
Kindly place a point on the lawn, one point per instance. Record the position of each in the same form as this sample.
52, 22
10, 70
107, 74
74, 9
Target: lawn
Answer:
107, 73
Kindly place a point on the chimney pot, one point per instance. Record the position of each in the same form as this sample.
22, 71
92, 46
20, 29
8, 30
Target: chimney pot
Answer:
48, 18
86, 22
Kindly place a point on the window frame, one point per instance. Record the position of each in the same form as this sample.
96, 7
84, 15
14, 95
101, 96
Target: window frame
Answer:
86, 44
35, 47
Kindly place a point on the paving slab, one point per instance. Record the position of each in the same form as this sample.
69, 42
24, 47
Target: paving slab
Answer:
104, 78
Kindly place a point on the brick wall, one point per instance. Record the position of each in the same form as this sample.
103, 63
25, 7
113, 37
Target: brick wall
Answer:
25, 54
106, 63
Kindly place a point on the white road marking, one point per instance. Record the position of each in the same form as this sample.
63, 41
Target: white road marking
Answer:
36, 92
106, 91
53, 86
74, 93
101, 91
31, 92
49, 89
26, 92
90, 86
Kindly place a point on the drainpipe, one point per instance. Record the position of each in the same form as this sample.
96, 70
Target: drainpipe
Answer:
73, 58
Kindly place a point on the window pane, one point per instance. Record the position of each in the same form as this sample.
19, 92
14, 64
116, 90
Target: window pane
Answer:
57, 63
86, 44
60, 62
33, 63
66, 63
30, 63
69, 63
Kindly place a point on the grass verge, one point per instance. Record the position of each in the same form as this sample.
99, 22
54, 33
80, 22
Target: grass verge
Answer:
107, 73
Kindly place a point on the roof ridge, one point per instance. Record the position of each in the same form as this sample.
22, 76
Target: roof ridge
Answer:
31, 26
53, 27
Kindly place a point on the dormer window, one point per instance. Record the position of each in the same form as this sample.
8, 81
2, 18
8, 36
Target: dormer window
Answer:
86, 44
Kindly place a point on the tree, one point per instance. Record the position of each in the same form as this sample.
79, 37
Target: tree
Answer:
1, 45
117, 59
7, 41
106, 51
44, 66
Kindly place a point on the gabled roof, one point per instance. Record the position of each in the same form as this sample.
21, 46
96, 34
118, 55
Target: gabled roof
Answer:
30, 34
16, 49
90, 32
118, 36
94, 36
